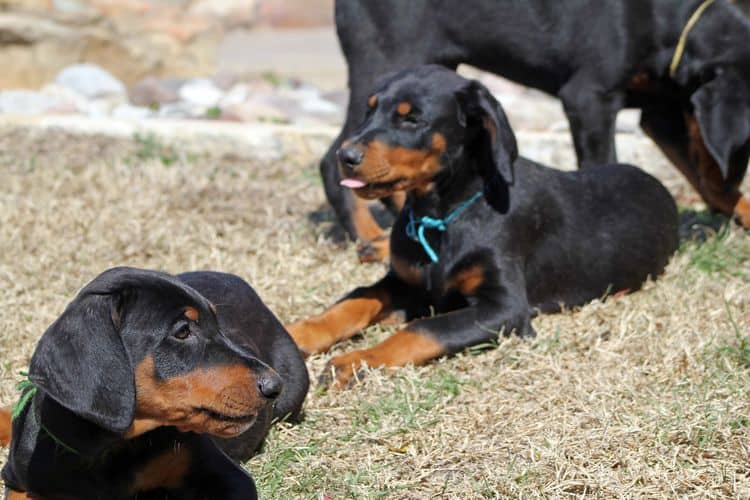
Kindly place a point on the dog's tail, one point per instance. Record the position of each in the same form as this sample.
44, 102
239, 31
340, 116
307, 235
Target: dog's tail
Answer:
5, 426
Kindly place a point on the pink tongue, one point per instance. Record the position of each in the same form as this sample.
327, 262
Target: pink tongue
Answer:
352, 183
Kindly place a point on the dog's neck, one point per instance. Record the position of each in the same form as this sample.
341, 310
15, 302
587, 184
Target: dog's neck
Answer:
712, 49
51, 422
452, 187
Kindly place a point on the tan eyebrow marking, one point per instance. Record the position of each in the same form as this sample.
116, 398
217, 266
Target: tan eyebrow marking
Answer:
403, 108
372, 101
191, 313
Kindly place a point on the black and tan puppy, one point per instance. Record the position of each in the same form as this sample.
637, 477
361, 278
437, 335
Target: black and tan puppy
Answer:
597, 56
486, 238
126, 385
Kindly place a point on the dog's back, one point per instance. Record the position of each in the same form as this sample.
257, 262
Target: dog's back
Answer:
604, 229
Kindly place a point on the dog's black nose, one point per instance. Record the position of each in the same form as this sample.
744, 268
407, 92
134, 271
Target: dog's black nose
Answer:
350, 157
270, 385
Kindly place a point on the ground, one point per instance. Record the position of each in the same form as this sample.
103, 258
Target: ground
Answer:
642, 395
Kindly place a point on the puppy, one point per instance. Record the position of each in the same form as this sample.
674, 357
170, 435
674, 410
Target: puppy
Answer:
486, 239
125, 387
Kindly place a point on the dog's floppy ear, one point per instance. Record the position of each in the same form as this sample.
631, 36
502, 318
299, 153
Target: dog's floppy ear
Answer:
722, 109
81, 361
479, 110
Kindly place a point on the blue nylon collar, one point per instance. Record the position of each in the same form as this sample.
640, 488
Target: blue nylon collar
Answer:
415, 227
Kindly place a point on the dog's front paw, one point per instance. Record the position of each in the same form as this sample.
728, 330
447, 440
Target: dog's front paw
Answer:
343, 371
376, 250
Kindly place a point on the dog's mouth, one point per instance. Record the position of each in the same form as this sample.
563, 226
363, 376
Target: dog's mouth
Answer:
222, 424
374, 189
215, 415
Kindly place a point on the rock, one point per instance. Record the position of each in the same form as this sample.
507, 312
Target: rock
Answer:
128, 112
201, 92
28, 102
236, 95
75, 9
75, 102
90, 81
232, 13
155, 91
253, 110
295, 13
181, 109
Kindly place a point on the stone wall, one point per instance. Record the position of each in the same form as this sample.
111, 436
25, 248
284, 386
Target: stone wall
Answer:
134, 38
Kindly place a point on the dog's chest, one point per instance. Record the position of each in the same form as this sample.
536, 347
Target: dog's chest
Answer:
412, 265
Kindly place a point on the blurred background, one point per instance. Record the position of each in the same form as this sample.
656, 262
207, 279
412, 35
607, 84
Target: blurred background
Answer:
172, 57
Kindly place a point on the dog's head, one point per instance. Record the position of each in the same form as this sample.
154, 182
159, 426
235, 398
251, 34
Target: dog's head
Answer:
139, 349
720, 123
420, 124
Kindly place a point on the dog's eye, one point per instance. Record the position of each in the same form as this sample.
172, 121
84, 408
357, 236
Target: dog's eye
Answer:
182, 333
409, 120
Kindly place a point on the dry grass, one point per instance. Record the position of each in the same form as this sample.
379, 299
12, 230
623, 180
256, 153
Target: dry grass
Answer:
641, 396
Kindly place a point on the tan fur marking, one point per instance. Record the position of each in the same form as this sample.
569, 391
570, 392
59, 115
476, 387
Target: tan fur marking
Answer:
401, 348
742, 211
405, 270
191, 313
18, 495
403, 108
367, 228
167, 470
341, 321
399, 200
225, 389
711, 184
6, 426
467, 280
406, 168
372, 101
641, 82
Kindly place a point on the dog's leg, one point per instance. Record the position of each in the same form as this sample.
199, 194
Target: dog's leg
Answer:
505, 310
6, 426
592, 115
351, 211
359, 309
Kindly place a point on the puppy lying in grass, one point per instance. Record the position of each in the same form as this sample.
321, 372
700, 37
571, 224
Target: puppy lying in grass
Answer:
486, 239
144, 384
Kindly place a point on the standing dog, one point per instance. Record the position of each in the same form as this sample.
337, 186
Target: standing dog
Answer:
125, 385
597, 56
486, 239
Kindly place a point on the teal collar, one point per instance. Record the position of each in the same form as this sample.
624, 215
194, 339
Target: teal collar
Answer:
415, 227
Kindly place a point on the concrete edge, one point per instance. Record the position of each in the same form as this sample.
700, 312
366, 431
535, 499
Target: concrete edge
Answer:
272, 142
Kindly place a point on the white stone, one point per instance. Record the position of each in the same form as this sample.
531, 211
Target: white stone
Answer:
129, 112
236, 95
222, 8
201, 92
90, 81
72, 98
28, 102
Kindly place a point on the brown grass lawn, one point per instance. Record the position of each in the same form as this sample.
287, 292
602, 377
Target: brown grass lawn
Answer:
646, 395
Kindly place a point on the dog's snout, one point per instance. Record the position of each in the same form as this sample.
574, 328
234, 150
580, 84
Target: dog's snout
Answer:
350, 157
270, 385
